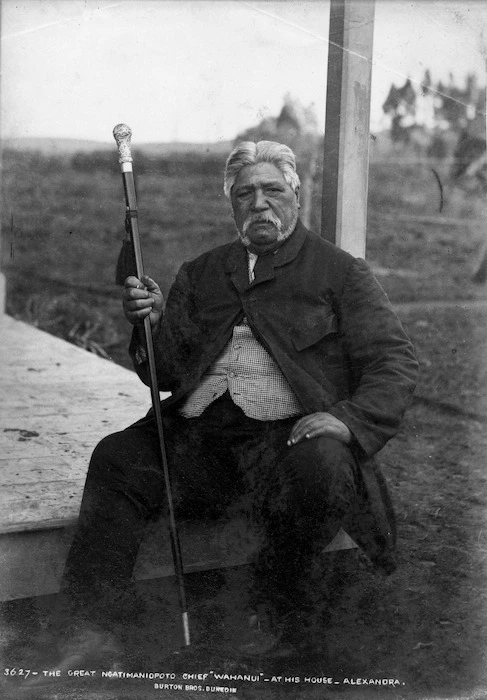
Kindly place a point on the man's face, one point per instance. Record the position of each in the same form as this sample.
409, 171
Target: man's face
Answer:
265, 207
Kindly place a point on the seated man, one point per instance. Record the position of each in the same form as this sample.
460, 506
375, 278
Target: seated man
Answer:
288, 371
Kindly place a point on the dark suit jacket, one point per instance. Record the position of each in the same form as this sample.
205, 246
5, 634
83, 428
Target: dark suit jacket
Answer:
326, 321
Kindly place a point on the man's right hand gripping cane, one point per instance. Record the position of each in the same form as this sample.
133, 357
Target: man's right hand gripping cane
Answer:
141, 298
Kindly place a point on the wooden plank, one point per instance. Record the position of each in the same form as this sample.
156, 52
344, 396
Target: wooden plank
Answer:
62, 442
204, 545
32, 563
103, 394
41, 406
46, 504
92, 423
27, 472
346, 145
58, 401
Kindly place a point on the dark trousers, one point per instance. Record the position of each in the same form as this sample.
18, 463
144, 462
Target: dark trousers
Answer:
297, 498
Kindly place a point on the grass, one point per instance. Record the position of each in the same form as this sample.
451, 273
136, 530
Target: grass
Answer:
62, 225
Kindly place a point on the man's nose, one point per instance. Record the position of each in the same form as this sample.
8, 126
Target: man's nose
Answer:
259, 202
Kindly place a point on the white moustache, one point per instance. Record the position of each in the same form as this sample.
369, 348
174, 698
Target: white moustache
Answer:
267, 218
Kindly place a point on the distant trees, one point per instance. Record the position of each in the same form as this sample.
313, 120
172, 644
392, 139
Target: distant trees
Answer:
444, 111
443, 106
293, 122
297, 127
438, 112
400, 105
461, 109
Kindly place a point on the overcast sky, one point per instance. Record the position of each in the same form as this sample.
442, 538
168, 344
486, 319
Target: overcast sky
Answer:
192, 70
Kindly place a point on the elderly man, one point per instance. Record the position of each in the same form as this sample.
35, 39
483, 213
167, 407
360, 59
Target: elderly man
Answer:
288, 371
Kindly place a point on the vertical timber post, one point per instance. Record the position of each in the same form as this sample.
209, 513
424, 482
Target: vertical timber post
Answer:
3, 281
346, 145
3, 290
480, 274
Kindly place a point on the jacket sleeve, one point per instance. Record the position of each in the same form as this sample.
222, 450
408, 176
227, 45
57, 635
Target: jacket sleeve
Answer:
382, 361
175, 342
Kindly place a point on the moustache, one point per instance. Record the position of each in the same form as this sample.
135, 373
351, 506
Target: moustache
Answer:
267, 218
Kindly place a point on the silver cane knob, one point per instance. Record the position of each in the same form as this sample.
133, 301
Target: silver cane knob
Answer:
122, 134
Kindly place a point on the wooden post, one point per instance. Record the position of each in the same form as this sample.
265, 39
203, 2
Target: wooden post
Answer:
480, 274
3, 292
346, 146
3, 281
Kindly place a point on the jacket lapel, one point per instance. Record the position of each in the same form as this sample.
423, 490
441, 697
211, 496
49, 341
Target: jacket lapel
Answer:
236, 265
264, 269
237, 262
291, 247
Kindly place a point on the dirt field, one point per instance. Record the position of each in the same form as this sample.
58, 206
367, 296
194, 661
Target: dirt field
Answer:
424, 629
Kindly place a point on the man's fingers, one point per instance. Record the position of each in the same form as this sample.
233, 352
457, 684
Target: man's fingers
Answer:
300, 430
142, 313
151, 285
317, 424
294, 439
135, 304
133, 281
141, 298
133, 293
145, 283
135, 315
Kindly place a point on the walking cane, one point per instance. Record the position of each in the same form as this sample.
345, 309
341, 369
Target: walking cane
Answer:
122, 134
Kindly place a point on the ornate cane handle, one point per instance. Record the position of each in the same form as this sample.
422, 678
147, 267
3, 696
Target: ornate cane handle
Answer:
122, 134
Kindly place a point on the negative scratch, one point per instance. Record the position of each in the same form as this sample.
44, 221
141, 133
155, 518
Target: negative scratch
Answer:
65, 20
371, 61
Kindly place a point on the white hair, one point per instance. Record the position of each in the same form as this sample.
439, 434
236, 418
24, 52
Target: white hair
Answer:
250, 153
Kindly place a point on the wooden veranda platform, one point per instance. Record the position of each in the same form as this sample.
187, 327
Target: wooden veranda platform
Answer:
58, 401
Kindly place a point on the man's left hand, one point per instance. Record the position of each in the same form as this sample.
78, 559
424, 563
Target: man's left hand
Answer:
319, 425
